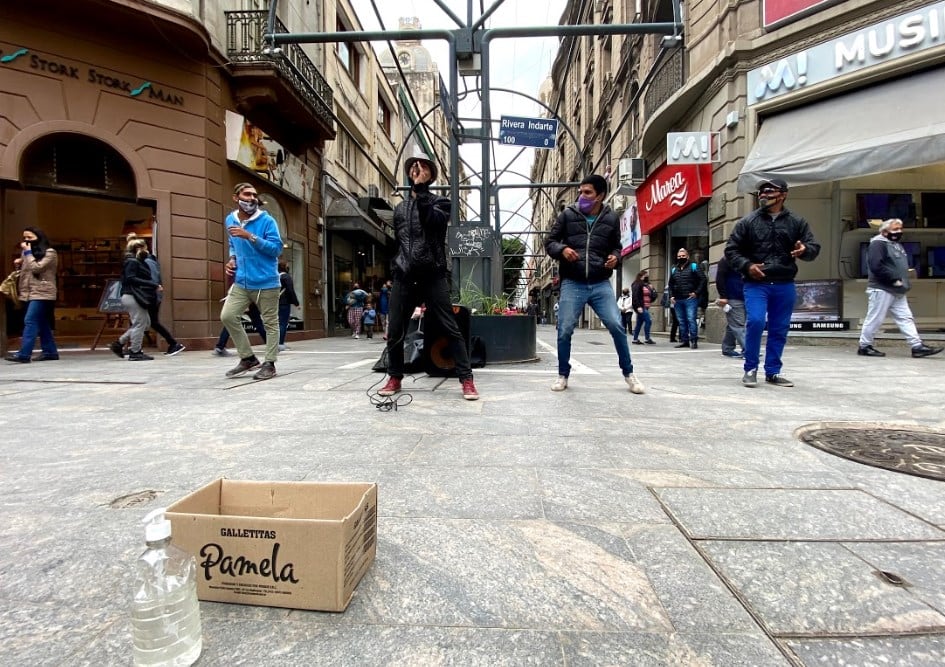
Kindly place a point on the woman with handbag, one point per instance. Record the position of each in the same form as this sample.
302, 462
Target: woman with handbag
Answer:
138, 294
37, 288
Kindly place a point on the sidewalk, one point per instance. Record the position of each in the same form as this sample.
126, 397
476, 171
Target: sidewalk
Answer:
686, 526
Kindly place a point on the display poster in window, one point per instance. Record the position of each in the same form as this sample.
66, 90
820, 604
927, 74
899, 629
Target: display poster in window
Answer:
818, 305
630, 236
110, 302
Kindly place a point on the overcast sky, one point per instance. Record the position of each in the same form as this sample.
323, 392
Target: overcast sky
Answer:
516, 64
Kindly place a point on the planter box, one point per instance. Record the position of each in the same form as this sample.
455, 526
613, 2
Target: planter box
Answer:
508, 338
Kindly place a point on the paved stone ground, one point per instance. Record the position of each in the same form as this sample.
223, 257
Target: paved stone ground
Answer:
686, 526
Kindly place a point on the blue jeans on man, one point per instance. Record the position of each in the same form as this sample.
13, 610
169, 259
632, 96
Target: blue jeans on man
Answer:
686, 312
776, 302
600, 297
36, 323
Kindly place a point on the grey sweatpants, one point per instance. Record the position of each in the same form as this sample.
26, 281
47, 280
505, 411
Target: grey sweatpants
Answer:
140, 321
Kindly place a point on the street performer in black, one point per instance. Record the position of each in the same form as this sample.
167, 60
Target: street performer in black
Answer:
419, 269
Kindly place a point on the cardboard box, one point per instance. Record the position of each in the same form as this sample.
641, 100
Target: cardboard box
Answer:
303, 545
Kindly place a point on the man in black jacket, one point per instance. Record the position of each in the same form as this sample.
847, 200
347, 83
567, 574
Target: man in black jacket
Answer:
585, 239
764, 247
420, 272
886, 291
686, 283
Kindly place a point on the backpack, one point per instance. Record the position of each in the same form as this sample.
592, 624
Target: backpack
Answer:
351, 299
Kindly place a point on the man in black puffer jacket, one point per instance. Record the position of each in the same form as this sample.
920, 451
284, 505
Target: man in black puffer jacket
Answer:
764, 247
420, 274
585, 239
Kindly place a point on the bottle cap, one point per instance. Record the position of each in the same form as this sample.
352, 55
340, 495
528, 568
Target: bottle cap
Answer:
156, 526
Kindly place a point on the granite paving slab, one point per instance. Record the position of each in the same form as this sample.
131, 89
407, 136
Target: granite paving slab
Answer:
922, 651
808, 588
921, 564
649, 650
815, 514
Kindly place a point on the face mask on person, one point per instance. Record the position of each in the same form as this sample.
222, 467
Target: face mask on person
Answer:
767, 197
646, 279
586, 204
248, 207
894, 236
682, 260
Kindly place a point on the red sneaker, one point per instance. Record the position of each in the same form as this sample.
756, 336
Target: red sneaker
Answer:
391, 388
469, 390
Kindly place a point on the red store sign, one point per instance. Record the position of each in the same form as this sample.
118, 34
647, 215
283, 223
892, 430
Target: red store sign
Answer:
784, 11
671, 191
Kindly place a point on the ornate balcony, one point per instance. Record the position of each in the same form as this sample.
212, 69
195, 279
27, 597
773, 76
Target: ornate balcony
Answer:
282, 91
665, 84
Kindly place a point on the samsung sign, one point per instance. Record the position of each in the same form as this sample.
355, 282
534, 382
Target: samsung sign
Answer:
906, 34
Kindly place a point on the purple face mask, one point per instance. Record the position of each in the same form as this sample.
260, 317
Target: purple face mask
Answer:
586, 204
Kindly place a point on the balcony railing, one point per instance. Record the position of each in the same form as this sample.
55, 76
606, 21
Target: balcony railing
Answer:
244, 44
666, 83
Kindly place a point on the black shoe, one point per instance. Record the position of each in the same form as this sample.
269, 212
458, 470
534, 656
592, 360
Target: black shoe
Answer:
118, 349
650, 341
778, 380
139, 356
48, 357
925, 351
636, 342
695, 345
266, 372
686, 344
244, 365
672, 340
176, 348
17, 360
870, 351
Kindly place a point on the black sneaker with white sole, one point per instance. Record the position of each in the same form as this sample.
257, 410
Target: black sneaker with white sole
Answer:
778, 380
176, 348
750, 378
266, 372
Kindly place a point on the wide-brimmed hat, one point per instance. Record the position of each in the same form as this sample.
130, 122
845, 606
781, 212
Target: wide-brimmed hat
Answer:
420, 156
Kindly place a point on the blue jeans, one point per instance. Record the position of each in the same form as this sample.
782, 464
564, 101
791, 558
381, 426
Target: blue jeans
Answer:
686, 311
600, 297
284, 311
36, 323
776, 301
645, 321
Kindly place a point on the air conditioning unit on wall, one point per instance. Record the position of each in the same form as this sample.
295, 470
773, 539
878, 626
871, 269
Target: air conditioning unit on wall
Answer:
631, 170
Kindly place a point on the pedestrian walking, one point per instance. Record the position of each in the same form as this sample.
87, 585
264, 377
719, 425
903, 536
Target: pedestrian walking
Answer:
383, 307
886, 290
355, 301
173, 346
686, 283
369, 319
731, 288
643, 297
287, 299
36, 287
625, 304
138, 295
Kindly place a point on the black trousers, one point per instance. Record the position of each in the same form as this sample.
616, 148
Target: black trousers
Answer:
433, 293
158, 327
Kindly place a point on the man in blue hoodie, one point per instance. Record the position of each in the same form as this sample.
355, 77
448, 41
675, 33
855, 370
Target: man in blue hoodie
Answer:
255, 246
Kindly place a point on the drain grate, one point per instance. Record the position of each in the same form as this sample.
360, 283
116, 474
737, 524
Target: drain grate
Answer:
914, 452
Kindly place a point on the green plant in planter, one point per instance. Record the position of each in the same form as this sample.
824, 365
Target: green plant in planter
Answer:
480, 303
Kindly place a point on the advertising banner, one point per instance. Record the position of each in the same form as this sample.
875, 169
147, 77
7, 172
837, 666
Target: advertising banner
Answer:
671, 191
784, 11
630, 235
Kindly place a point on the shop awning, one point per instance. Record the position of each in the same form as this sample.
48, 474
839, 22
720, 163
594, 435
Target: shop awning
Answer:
895, 125
345, 216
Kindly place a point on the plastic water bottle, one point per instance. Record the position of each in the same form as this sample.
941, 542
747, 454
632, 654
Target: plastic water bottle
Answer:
165, 614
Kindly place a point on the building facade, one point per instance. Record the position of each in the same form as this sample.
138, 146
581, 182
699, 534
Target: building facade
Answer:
833, 97
120, 117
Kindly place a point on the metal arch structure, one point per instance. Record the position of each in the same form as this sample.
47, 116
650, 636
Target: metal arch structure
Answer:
472, 37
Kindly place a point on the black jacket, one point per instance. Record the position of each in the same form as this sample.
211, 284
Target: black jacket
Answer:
136, 281
592, 244
636, 293
760, 239
888, 264
684, 280
730, 284
420, 232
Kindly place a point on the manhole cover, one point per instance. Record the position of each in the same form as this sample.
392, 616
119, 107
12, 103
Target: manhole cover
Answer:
914, 452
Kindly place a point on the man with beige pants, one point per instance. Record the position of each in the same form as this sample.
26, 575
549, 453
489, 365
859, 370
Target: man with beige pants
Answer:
255, 247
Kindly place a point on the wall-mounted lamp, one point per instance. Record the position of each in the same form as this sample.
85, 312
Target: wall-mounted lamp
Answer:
671, 41
731, 119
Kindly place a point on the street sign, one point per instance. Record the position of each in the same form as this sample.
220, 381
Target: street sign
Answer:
692, 147
534, 132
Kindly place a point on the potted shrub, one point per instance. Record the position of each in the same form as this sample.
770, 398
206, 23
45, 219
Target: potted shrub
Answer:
508, 334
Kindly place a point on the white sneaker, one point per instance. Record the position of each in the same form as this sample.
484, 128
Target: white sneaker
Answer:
283, 347
560, 384
356, 336
636, 387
